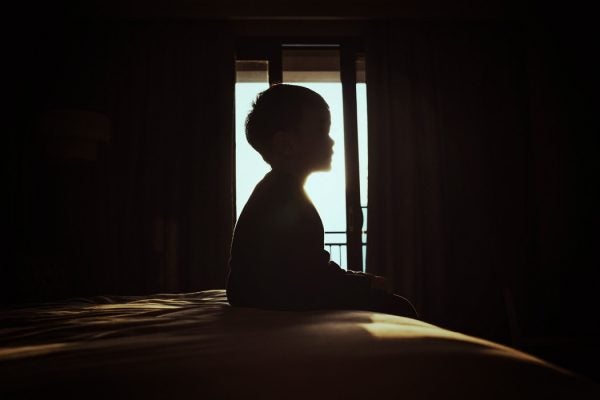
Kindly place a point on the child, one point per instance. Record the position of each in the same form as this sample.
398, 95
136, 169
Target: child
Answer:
278, 259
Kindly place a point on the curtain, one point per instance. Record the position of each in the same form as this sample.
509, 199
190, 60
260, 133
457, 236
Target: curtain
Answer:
172, 108
448, 168
153, 212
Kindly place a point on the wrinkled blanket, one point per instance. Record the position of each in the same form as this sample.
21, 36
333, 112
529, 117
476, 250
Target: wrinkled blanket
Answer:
195, 345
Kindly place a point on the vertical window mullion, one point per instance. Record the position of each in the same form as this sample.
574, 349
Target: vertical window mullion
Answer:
354, 216
275, 64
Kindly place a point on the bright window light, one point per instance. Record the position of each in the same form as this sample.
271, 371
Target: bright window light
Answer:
250, 167
326, 189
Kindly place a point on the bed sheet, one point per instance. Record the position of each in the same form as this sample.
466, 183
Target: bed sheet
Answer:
197, 345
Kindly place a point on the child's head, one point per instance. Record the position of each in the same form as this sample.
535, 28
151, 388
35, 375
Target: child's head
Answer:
289, 125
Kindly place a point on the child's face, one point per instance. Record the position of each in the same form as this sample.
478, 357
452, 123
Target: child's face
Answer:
314, 146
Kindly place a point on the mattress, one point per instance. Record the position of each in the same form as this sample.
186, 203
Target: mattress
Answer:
195, 345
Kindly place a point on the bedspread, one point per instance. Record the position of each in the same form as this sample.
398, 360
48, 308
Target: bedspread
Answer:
196, 344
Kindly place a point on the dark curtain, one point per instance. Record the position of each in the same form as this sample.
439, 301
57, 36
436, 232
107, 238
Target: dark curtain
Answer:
173, 94
448, 200
562, 285
154, 211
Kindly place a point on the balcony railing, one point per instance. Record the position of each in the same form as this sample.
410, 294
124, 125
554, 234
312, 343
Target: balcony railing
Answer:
338, 246
338, 249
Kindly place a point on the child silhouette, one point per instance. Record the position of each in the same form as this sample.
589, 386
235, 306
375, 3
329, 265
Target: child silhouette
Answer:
277, 258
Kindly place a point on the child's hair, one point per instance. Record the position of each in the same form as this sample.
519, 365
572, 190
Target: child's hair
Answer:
279, 108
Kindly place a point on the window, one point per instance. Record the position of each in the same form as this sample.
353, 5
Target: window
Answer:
340, 195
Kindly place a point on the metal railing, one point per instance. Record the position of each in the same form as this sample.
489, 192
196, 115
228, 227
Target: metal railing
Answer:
338, 250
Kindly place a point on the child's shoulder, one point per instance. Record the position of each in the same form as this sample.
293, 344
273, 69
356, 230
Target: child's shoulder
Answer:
275, 197
277, 188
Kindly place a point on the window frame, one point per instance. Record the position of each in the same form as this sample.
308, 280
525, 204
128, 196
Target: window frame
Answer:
271, 49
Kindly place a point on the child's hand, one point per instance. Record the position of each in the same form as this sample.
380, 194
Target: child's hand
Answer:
379, 282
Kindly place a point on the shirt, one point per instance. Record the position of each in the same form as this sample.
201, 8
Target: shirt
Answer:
278, 260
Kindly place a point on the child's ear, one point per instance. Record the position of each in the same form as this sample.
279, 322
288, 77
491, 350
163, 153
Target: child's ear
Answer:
283, 143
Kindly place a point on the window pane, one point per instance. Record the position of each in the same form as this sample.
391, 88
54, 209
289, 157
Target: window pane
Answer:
363, 157
250, 167
327, 190
317, 69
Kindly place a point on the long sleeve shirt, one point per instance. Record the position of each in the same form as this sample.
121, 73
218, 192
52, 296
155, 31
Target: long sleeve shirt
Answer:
278, 259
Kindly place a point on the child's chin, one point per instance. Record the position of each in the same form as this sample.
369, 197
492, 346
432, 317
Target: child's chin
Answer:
326, 168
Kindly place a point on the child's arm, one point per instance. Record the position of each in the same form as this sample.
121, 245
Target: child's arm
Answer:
376, 281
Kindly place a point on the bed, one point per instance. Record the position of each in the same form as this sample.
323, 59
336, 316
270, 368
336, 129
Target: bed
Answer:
195, 345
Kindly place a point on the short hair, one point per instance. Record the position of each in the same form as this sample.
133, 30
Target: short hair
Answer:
279, 108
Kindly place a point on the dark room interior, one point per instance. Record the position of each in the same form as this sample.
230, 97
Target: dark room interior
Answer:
483, 142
